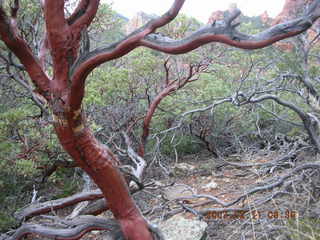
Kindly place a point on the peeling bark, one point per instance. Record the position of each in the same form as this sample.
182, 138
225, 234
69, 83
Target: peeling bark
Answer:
103, 167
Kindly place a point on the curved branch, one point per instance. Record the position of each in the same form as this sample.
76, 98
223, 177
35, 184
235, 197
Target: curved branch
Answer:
34, 96
10, 36
93, 208
306, 118
78, 12
280, 118
139, 162
293, 107
74, 229
83, 14
150, 112
41, 208
183, 115
226, 205
59, 39
240, 211
86, 64
226, 33
171, 85
269, 186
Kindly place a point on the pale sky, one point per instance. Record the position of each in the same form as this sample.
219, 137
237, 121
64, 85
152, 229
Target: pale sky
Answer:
200, 9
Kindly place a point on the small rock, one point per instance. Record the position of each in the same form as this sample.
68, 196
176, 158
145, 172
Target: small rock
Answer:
183, 168
209, 186
158, 183
177, 191
179, 228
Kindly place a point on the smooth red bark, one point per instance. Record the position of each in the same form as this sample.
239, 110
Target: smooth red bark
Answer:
65, 91
171, 86
102, 166
95, 158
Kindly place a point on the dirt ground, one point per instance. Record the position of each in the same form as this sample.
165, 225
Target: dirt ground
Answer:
205, 175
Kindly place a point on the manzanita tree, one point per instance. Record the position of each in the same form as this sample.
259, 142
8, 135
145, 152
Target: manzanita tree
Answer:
62, 84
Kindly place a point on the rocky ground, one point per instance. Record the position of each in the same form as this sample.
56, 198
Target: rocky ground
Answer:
174, 203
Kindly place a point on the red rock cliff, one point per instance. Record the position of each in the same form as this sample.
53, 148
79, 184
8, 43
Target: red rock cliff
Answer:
290, 10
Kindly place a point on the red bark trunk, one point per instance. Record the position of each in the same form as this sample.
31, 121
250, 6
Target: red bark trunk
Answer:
65, 90
102, 166
147, 120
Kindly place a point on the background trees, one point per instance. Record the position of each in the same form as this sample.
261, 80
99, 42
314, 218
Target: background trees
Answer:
135, 97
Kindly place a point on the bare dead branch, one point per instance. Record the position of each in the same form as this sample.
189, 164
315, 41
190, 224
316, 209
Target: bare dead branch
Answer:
226, 206
279, 160
74, 229
88, 185
265, 187
293, 107
96, 207
278, 117
243, 210
309, 121
139, 162
62, 229
210, 107
11, 62
41, 208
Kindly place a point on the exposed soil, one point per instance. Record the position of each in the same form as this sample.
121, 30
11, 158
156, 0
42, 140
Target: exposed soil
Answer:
227, 183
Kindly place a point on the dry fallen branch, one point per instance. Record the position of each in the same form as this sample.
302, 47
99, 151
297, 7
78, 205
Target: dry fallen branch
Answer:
74, 229
227, 205
282, 160
95, 207
45, 207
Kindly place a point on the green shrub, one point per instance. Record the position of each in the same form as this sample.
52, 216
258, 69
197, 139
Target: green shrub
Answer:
7, 222
304, 229
183, 144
